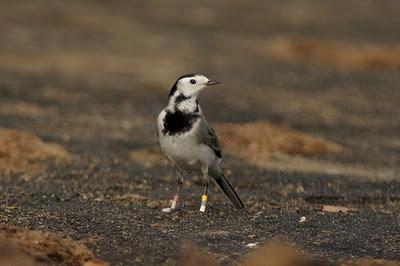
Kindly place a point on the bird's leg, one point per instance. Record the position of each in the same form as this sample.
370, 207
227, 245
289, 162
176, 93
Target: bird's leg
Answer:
175, 199
204, 196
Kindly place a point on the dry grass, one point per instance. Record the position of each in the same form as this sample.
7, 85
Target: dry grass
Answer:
284, 149
10, 255
279, 255
273, 254
47, 247
24, 152
342, 55
370, 262
335, 209
193, 256
148, 157
260, 141
278, 148
25, 109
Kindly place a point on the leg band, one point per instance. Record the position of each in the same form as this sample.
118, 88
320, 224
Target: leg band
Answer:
175, 201
203, 203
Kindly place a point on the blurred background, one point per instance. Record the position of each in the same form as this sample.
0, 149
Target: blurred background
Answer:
308, 111
330, 68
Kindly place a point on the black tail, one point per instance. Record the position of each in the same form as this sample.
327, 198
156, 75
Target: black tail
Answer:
224, 185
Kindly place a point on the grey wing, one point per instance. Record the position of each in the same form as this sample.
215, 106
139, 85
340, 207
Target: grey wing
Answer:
208, 137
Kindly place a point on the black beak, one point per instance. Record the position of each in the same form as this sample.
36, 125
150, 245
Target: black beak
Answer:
210, 83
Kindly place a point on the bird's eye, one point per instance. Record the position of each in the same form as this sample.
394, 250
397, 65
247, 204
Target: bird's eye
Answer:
193, 81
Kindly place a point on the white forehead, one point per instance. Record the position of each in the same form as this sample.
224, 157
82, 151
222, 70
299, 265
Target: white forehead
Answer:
200, 80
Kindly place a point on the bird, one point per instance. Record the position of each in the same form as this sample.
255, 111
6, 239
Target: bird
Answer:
188, 140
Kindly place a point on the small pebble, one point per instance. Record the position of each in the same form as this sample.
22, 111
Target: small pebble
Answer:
252, 245
166, 210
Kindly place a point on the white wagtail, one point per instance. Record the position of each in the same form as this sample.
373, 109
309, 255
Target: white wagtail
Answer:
189, 141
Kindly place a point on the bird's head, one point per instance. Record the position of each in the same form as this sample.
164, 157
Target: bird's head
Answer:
190, 85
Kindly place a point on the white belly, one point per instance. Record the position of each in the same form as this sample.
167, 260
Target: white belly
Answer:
185, 151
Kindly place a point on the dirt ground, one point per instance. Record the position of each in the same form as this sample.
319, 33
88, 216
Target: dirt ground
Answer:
307, 112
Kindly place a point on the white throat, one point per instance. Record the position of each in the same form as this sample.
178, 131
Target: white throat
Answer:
183, 103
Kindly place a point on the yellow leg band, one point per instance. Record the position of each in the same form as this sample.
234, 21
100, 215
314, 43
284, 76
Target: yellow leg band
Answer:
203, 203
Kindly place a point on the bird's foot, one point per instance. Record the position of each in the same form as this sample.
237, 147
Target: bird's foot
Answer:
174, 204
203, 203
